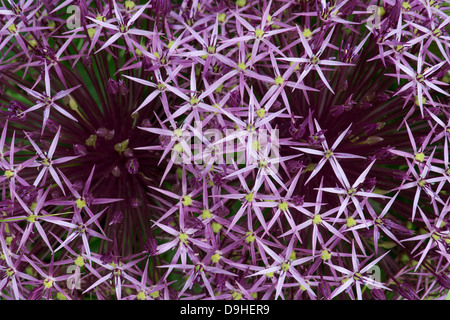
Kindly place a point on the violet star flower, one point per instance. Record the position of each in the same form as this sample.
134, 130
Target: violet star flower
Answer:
356, 277
123, 29
328, 154
47, 162
313, 59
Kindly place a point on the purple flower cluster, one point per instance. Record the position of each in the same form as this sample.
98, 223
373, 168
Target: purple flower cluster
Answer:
248, 149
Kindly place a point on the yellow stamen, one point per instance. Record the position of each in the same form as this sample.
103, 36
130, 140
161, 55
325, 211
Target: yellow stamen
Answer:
206, 214
236, 295
79, 261
261, 112
249, 237
351, 222
187, 201
129, 5
141, 295
307, 33
222, 17
215, 258
326, 255
80, 203
259, 33
420, 157
285, 266
216, 227
241, 3
9, 174
279, 80
48, 283
12, 28
178, 147
283, 206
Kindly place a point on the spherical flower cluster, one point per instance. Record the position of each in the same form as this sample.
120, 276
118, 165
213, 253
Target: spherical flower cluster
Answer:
218, 149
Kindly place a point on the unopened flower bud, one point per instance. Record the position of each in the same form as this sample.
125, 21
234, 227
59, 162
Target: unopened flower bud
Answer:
135, 202
132, 166
79, 150
146, 123
117, 217
102, 132
123, 89
150, 246
112, 86
128, 153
